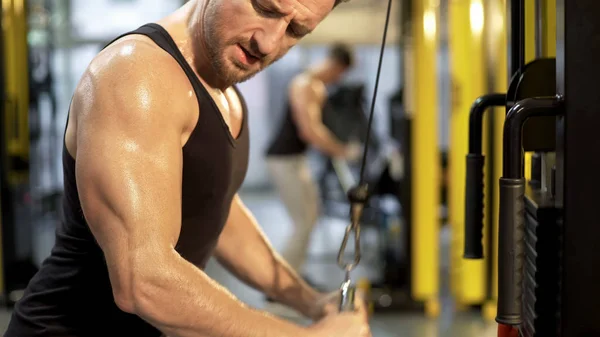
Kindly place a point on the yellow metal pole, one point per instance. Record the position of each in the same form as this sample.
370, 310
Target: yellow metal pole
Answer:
530, 47
458, 44
16, 122
530, 23
9, 84
549, 28
21, 53
425, 158
16, 96
498, 62
469, 77
9, 73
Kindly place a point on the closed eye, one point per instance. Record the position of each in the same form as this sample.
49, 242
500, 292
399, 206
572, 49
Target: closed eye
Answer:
293, 32
294, 29
298, 30
265, 11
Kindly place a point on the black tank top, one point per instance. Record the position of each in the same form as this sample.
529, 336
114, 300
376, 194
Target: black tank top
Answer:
71, 294
287, 140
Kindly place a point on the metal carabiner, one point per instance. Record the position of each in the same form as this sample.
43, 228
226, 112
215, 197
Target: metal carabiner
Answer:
354, 226
348, 295
348, 290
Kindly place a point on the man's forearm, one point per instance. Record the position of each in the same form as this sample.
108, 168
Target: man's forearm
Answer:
293, 291
272, 276
321, 138
246, 252
184, 302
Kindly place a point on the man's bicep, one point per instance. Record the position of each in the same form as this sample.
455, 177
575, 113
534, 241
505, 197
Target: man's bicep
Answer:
124, 185
306, 107
128, 168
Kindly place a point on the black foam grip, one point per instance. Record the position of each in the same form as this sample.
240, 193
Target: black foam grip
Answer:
511, 251
474, 207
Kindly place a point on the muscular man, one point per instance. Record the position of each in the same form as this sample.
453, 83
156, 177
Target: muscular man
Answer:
156, 147
302, 127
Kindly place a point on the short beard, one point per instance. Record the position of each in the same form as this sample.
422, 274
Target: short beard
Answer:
234, 72
230, 74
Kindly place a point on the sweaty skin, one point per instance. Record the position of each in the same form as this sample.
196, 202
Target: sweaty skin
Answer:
307, 96
132, 112
262, 268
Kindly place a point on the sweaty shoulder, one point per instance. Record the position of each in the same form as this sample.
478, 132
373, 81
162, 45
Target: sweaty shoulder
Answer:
135, 81
307, 87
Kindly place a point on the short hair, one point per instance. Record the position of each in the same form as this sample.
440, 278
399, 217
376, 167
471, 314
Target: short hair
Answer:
342, 53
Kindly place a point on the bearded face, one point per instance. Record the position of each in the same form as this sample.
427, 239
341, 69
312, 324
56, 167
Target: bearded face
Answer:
243, 37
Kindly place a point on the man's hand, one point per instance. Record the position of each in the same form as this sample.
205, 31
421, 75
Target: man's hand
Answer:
345, 324
325, 305
353, 151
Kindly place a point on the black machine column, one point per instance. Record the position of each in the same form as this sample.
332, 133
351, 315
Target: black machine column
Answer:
578, 164
549, 226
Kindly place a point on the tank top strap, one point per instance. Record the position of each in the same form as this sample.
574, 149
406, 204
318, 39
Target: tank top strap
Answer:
161, 37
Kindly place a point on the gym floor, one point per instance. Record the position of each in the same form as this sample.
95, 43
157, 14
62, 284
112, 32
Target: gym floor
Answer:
323, 270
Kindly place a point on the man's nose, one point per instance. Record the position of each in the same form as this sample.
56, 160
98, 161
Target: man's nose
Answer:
270, 38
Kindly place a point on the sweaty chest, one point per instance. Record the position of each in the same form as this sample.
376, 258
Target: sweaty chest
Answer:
215, 161
232, 110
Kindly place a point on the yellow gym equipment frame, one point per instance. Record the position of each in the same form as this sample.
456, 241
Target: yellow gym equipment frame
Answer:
421, 103
15, 124
468, 278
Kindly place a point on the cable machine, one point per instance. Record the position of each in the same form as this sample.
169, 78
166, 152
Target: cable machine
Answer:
546, 225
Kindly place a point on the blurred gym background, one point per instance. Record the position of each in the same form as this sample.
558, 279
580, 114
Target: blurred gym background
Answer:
440, 56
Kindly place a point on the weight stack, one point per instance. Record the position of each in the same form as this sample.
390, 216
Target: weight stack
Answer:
541, 282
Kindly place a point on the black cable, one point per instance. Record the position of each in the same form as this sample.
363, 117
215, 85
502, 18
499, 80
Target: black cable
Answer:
358, 197
368, 136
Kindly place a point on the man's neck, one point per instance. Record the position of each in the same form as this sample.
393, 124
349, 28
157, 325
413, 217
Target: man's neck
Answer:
320, 73
201, 59
186, 25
